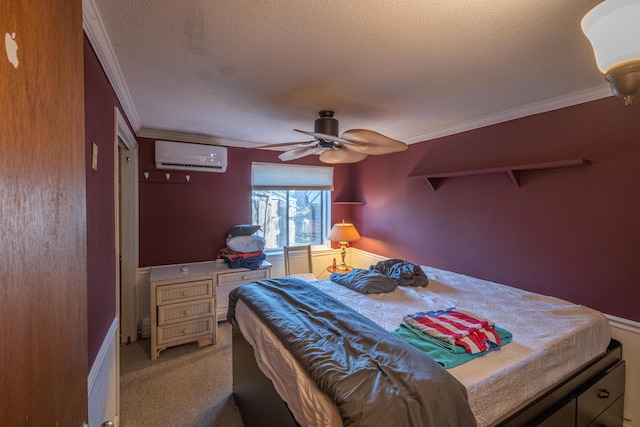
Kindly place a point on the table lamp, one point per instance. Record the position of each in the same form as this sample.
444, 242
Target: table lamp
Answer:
343, 233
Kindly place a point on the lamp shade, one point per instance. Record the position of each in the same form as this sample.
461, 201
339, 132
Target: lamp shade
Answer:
343, 232
614, 32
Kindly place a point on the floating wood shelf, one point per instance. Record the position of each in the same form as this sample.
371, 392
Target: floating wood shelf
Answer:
348, 203
512, 171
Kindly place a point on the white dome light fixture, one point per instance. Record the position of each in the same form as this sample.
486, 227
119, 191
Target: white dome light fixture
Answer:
613, 28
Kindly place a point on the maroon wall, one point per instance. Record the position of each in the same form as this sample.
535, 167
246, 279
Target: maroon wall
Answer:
99, 129
572, 233
186, 222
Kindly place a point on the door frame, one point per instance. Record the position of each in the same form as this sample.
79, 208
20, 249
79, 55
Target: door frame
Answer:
126, 240
126, 233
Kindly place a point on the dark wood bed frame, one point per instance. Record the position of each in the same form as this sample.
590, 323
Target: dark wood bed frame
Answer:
260, 404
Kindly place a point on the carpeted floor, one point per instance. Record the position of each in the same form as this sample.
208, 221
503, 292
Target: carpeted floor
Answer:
186, 386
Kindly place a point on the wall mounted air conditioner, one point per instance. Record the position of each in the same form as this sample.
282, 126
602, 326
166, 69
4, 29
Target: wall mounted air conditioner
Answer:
191, 157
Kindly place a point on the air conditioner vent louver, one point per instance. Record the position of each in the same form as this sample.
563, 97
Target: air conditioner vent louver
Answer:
190, 166
191, 157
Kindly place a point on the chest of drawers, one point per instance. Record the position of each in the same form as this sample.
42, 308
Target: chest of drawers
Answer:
183, 306
229, 278
188, 300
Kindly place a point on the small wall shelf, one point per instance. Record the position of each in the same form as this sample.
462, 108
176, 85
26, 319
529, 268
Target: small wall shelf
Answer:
512, 171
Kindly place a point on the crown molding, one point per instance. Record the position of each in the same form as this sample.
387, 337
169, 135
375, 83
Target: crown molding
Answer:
194, 138
517, 113
97, 35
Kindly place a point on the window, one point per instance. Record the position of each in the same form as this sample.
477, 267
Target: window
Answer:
291, 203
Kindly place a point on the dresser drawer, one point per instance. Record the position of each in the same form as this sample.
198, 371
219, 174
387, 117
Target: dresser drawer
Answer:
244, 276
565, 416
593, 401
186, 291
174, 313
612, 417
185, 330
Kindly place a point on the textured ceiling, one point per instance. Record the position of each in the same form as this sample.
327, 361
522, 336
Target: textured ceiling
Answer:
246, 73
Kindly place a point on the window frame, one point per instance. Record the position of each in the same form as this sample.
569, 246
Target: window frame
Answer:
278, 177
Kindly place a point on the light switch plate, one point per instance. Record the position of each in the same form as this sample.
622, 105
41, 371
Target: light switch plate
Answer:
94, 156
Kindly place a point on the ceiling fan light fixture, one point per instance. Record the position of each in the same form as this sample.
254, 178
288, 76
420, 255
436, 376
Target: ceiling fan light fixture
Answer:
614, 33
352, 146
326, 123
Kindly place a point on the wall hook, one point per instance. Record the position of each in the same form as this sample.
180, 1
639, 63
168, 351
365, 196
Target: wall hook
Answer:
146, 175
168, 175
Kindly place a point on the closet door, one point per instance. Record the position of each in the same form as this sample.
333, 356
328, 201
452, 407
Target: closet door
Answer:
43, 319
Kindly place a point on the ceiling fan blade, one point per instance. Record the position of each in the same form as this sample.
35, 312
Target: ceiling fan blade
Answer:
296, 153
370, 142
324, 136
286, 144
342, 155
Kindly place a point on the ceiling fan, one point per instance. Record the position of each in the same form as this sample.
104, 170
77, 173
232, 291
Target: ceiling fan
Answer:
352, 146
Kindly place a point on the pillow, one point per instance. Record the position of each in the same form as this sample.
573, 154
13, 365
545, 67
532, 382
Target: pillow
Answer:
246, 243
243, 230
364, 281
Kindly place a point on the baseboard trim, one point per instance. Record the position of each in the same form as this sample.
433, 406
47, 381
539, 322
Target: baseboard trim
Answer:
624, 324
102, 354
628, 333
102, 380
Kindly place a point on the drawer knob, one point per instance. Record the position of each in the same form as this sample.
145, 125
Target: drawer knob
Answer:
603, 394
184, 293
186, 312
184, 331
244, 277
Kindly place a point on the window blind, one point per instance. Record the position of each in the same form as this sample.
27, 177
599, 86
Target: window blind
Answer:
274, 176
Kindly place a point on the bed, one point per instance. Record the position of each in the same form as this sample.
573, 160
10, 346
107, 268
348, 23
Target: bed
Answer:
559, 352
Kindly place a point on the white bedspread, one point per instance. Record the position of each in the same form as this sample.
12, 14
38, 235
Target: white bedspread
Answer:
551, 338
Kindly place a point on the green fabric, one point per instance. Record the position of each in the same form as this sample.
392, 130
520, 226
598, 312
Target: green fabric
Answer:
444, 353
